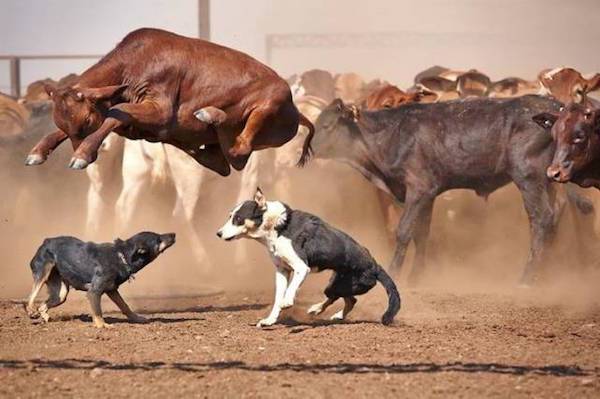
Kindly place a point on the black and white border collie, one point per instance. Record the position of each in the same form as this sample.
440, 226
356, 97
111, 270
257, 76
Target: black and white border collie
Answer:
299, 242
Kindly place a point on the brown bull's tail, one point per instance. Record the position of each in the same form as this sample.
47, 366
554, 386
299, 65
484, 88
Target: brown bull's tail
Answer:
307, 150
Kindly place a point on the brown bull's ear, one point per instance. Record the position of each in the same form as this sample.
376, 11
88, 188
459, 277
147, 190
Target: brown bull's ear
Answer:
593, 83
545, 119
102, 93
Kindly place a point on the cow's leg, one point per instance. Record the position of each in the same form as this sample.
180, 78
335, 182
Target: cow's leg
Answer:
145, 113
188, 180
255, 122
413, 212
44, 147
420, 240
537, 198
137, 174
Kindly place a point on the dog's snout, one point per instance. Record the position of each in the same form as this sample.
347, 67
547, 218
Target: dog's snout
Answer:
219, 234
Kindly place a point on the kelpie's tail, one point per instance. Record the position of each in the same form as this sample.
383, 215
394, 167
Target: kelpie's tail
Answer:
393, 296
306, 147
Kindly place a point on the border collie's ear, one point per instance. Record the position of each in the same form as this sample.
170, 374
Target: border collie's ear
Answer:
260, 199
545, 119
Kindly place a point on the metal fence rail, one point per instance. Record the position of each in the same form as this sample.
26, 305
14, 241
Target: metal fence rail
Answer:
15, 66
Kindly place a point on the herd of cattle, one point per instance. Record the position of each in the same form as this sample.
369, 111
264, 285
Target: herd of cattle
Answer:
449, 134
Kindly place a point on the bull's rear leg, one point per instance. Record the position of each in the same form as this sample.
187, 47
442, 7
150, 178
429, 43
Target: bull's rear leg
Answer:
40, 277
57, 295
211, 156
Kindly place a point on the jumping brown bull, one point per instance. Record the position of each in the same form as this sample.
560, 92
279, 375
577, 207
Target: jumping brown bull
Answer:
214, 103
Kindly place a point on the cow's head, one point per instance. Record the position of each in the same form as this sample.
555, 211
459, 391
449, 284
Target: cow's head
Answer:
576, 132
335, 130
80, 111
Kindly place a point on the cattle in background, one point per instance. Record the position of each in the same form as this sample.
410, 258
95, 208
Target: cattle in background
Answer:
162, 87
315, 83
567, 84
13, 116
472, 84
418, 151
350, 87
388, 96
513, 87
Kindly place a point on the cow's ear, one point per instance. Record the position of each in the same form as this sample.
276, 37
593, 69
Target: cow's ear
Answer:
545, 119
102, 93
50, 89
260, 199
593, 83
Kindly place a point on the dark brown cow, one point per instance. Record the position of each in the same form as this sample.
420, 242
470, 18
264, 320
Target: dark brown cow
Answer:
576, 131
214, 103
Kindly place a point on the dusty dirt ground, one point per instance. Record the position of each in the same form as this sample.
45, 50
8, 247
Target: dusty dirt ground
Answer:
469, 344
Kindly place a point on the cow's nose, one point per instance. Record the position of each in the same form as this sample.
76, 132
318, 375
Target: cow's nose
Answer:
553, 173
219, 234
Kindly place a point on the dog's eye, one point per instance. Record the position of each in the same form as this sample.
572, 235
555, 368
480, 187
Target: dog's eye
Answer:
142, 251
237, 220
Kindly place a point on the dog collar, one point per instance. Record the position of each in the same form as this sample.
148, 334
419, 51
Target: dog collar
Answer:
124, 261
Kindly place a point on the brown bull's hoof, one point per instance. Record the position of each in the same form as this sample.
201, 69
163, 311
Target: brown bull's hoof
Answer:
240, 148
78, 163
211, 115
34, 159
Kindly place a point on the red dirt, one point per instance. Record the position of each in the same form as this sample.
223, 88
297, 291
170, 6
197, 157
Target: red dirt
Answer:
443, 344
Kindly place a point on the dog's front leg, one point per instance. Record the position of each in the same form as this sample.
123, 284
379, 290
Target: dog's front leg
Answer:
120, 302
281, 281
300, 271
94, 298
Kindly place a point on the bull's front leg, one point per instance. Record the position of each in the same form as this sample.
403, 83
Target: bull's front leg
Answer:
148, 113
44, 148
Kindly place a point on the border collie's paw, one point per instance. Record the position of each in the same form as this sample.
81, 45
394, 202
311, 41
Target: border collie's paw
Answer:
266, 322
102, 324
338, 316
286, 303
315, 309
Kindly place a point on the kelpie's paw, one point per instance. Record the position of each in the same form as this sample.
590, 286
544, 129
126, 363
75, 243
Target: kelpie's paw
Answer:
266, 322
32, 313
136, 318
338, 316
102, 324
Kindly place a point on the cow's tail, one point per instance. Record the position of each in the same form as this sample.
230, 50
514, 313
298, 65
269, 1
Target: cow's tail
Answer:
392, 293
307, 150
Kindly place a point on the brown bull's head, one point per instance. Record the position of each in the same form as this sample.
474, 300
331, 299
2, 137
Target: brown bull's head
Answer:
576, 131
80, 111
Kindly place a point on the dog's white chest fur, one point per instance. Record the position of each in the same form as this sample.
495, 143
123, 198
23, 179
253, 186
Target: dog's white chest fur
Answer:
281, 249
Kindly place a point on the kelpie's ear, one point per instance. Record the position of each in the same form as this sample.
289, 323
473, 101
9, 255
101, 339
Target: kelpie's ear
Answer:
260, 199
545, 119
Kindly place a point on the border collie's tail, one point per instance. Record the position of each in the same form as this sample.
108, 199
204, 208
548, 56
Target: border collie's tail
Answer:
307, 150
393, 296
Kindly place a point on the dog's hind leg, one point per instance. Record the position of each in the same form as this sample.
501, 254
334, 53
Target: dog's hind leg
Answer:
42, 270
320, 307
57, 294
349, 303
120, 302
94, 298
